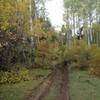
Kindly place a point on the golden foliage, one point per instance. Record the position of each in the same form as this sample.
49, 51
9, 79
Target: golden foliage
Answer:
14, 76
48, 54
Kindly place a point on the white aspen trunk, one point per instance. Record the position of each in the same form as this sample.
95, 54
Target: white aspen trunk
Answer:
30, 17
73, 24
90, 30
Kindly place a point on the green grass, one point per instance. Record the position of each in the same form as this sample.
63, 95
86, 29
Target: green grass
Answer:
84, 87
54, 92
39, 71
17, 91
21, 90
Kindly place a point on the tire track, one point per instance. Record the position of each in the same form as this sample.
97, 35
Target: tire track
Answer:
44, 88
59, 76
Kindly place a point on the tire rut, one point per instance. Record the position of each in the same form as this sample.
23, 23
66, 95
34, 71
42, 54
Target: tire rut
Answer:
44, 88
64, 89
60, 75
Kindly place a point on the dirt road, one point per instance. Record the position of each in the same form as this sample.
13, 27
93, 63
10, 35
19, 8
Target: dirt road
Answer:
55, 87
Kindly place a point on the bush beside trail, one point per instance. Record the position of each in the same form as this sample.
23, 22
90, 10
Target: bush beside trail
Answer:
14, 76
84, 57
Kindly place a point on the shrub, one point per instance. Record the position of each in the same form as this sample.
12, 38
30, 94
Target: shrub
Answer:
85, 57
22, 53
48, 54
78, 55
94, 62
14, 76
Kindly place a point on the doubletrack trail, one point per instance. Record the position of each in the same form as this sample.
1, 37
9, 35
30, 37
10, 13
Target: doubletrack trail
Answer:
57, 78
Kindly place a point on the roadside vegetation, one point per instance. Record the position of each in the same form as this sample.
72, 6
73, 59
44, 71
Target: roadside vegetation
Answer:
15, 90
83, 86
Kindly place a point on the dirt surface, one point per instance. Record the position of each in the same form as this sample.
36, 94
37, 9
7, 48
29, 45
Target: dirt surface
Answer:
58, 78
